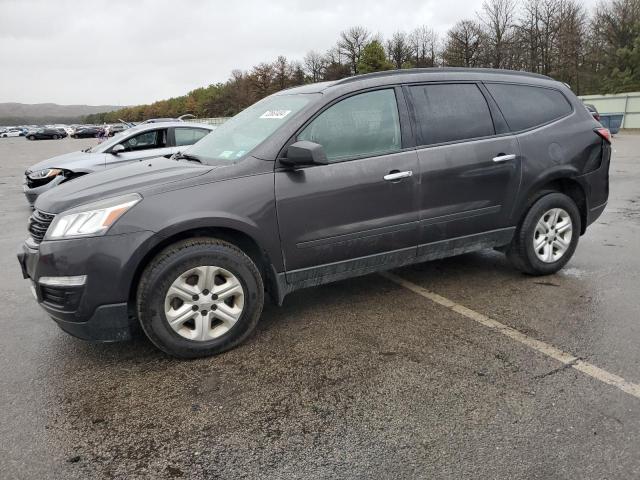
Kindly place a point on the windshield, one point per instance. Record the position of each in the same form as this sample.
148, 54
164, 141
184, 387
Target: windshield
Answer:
235, 138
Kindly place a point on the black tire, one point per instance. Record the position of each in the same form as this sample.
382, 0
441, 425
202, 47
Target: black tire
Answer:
171, 263
55, 137
521, 251
31, 137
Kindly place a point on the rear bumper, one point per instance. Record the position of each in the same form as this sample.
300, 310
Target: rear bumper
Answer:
595, 212
596, 187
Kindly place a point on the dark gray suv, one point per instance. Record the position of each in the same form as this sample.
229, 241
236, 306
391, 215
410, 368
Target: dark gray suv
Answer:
316, 184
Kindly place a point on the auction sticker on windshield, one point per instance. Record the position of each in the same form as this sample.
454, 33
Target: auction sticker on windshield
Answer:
277, 114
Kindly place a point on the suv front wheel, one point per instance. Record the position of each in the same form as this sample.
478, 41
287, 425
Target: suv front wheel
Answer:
199, 297
547, 237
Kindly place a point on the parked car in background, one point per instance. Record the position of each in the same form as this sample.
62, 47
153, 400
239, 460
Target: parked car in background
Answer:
316, 184
86, 132
44, 134
116, 128
134, 144
12, 132
593, 111
63, 132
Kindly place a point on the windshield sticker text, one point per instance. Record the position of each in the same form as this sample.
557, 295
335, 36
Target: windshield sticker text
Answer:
277, 114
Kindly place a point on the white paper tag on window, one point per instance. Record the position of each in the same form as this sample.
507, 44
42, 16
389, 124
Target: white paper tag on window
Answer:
277, 114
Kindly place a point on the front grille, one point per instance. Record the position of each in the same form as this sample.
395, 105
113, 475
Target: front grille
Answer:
38, 224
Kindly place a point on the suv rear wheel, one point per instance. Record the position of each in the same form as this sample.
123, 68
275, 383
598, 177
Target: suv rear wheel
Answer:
547, 236
199, 297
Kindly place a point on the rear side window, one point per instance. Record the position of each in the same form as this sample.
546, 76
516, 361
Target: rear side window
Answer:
524, 106
366, 124
188, 136
450, 112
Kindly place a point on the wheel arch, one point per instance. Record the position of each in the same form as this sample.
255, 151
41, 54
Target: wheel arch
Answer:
562, 183
245, 242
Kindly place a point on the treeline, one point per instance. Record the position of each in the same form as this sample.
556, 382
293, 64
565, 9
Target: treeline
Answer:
594, 51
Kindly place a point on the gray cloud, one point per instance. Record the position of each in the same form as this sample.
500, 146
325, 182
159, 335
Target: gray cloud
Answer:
130, 52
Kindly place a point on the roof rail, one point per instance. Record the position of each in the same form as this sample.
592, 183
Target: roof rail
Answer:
414, 71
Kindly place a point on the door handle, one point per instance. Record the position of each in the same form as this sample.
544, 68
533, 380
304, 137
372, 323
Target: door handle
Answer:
395, 175
504, 158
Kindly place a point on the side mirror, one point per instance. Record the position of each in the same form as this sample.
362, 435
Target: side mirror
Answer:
305, 153
117, 149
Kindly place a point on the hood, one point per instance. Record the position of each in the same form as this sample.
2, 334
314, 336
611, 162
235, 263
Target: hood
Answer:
133, 178
76, 161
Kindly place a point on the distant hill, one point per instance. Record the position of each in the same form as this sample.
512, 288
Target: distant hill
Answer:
42, 113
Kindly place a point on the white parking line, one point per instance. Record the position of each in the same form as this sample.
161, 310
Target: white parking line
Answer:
549, 350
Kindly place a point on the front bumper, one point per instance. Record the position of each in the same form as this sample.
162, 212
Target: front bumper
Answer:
97, 310
32, 194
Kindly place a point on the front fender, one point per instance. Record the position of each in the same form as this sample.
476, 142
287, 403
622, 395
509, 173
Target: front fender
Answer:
245, 205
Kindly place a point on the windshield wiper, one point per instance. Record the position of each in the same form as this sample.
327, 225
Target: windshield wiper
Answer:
186, 156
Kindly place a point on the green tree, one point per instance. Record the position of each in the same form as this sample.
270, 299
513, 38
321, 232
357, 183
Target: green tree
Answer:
373, 58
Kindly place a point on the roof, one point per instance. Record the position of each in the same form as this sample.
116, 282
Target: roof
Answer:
435, 70
176, 123
418, 74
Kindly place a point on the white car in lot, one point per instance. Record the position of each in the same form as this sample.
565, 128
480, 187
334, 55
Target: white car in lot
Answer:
134, 144
12, 133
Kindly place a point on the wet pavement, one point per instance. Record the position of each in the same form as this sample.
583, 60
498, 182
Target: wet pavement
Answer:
357, 379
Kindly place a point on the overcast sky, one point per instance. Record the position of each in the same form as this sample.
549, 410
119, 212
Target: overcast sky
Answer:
126, 52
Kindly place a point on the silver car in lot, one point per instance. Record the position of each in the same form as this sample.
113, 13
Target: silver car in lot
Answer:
138, 143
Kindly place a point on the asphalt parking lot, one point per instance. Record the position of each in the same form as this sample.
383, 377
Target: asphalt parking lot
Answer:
364, 378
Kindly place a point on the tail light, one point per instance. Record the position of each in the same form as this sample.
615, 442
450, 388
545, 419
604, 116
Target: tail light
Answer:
604, 133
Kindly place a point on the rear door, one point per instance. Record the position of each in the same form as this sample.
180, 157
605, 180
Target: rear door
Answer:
360, 209
147, 144
469, 163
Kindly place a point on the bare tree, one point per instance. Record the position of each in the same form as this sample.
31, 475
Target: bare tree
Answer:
538, 34
399, 49
497, 16
262, 77
464, 44
314, 65
352, 42
282, 73
423, 42
570, 45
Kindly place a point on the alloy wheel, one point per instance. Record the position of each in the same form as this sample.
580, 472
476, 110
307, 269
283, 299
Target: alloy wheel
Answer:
552, 236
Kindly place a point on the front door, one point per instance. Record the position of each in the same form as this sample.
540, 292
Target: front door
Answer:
144, 145
360, 210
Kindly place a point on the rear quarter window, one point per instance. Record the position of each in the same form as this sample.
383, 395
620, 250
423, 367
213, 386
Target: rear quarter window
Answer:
525, 106
449, 112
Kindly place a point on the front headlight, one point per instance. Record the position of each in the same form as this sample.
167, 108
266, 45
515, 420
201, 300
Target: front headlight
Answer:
46, 173
91, 219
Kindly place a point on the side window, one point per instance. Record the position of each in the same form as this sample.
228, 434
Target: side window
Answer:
449, 112
188, 136
366, 124
146, 141
525, 106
